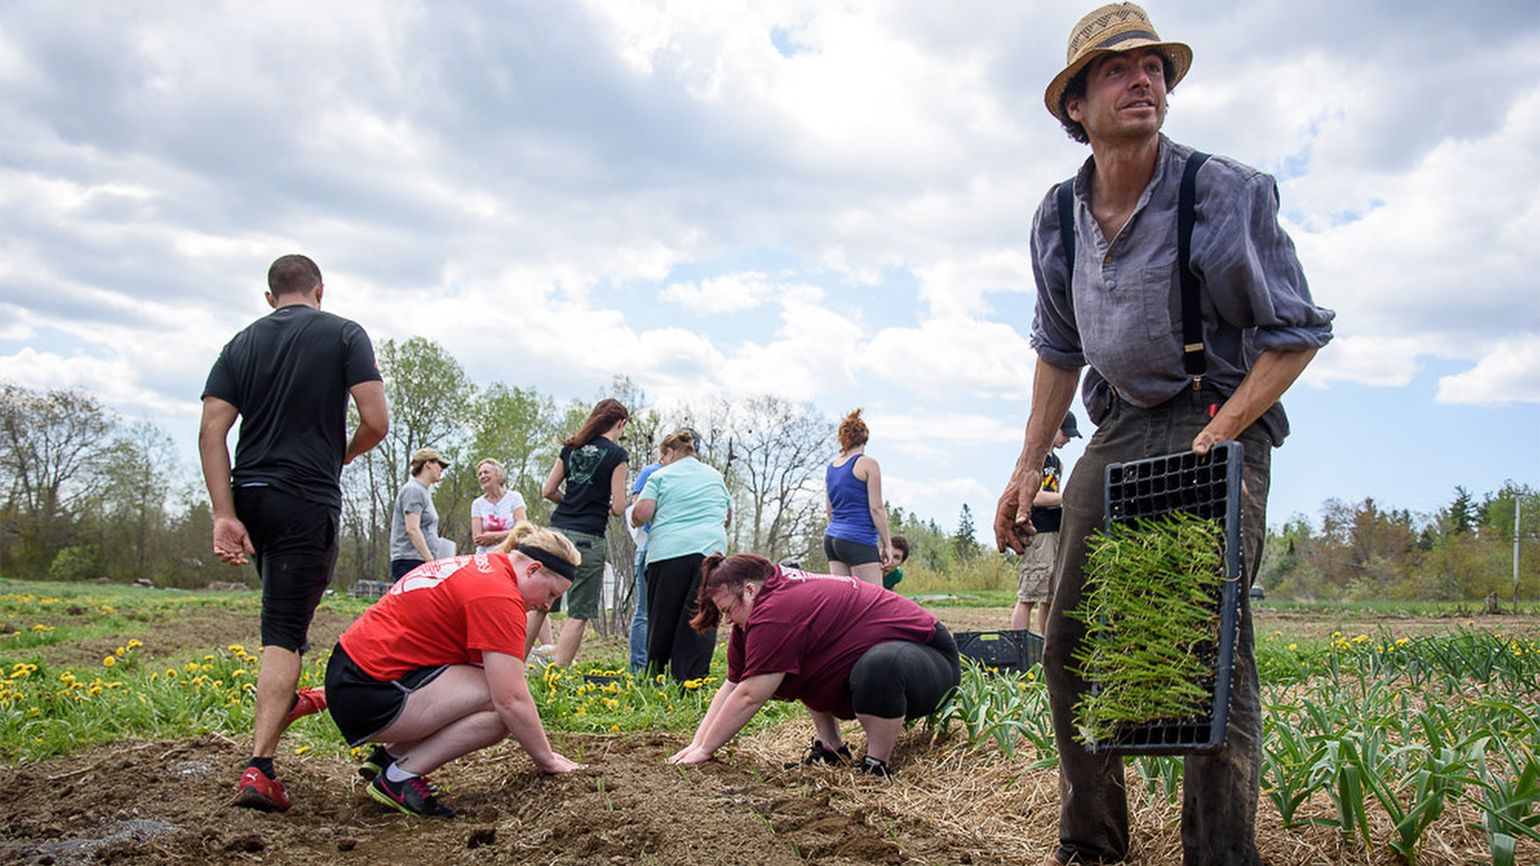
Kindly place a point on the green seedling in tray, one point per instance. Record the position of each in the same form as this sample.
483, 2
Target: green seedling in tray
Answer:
1151, 610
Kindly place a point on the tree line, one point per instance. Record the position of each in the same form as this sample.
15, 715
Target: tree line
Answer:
1361, 551
90, 495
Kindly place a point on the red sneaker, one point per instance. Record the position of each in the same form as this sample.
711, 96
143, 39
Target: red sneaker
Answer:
257, 791
307, 702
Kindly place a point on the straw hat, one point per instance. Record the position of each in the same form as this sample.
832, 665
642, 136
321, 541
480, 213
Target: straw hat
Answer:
1112, 28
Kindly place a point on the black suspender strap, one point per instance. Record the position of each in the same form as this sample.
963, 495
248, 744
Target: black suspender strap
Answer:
1194, 361
1067, 226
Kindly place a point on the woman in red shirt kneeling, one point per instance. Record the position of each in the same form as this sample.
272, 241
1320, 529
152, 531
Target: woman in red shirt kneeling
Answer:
435, 669
844, 648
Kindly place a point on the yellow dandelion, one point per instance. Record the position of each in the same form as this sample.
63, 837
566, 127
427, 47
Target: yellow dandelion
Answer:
109, 661
1293, 646
135, 643
119, 652
615, 728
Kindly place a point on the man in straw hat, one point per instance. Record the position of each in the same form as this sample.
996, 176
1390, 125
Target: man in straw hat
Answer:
1106, 249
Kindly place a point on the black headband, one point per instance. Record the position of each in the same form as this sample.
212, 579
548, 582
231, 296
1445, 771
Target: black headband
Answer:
550, 560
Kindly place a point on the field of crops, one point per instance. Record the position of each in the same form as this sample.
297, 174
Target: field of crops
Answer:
1378, 747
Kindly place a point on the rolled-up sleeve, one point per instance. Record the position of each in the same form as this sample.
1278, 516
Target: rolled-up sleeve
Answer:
1249, 264
1055, 337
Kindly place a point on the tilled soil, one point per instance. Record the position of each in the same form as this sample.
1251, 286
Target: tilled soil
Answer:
163, 802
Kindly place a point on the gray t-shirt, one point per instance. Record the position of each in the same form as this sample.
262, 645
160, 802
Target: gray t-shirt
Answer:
413, 499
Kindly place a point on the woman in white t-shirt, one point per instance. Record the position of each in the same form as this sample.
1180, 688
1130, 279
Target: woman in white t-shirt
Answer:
496, 510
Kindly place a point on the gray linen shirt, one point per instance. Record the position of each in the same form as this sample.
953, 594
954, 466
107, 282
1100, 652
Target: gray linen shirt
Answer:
1123, 316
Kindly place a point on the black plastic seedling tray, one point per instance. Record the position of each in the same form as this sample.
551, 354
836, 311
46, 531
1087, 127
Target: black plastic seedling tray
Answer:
1014, 650
1208, 487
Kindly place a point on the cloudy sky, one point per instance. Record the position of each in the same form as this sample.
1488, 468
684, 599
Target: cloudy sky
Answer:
827, 201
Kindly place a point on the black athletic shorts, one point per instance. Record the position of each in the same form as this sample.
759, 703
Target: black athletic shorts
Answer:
361, 705
900, 678
849, 552
296, 544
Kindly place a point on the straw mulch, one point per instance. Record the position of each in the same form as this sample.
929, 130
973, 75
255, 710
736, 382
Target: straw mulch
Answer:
990, 808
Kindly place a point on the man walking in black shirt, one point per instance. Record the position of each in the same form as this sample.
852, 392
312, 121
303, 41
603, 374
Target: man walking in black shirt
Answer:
287, 376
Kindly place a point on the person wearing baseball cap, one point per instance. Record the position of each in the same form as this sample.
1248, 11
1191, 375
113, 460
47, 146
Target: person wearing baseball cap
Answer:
1167, 274
414, 521
1034, 587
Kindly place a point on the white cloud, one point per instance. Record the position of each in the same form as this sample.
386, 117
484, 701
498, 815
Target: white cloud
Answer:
926, 496
1387, 362
814, 351
1510, 372
939, 431
953, 356
523, 184
729, 293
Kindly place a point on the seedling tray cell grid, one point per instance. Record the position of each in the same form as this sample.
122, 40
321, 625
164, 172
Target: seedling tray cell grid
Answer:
1208, 487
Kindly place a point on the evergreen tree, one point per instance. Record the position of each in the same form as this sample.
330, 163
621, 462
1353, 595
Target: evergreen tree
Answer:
1462, 512
963, 541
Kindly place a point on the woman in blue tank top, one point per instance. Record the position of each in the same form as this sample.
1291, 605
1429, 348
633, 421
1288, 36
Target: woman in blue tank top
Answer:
857, 541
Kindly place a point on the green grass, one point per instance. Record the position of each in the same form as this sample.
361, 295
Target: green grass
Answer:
962, 598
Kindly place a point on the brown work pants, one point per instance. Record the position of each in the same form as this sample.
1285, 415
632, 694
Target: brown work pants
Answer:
1219, 790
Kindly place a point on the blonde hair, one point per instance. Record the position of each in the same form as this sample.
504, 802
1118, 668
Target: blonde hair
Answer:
853, 432
526, 534
502, 474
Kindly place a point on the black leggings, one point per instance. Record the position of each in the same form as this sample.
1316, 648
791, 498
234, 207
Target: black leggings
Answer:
900, 678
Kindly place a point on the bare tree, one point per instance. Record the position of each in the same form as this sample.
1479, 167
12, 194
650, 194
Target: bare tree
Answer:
776, 451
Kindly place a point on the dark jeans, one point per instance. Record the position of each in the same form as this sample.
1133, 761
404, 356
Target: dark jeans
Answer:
1220, 790
672, 586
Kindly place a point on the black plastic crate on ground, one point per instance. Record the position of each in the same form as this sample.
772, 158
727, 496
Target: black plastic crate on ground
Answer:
1011, 650
1208, 487
370, 588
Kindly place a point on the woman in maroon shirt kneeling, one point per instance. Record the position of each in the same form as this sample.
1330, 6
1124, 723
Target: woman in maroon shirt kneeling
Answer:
844, 648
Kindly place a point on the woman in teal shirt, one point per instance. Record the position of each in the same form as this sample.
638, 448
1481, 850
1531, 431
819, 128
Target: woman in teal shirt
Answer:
690, 509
